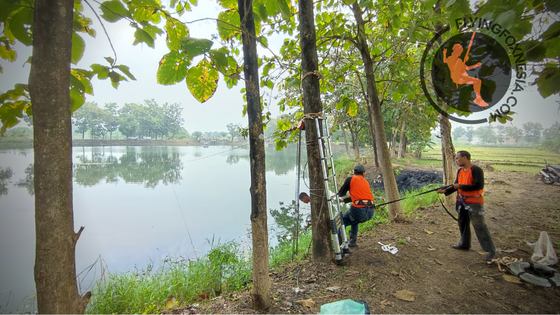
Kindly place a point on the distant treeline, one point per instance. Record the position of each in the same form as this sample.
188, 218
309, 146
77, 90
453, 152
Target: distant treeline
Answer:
531, 134
133, 121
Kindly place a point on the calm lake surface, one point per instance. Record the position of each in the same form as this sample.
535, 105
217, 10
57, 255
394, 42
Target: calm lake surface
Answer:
139, 205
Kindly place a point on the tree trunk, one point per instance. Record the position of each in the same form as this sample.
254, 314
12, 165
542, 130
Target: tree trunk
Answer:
447, 155
49, 79
322, 251
345, 136
402, 140
261, 279
447, 149
355, 144
393, 144
389, 182
370, 119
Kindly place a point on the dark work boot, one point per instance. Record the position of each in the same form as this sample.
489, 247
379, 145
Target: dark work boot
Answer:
490, 256
459, 247
352, 242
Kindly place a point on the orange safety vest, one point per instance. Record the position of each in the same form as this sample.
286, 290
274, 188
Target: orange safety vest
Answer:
360, 192
465, 177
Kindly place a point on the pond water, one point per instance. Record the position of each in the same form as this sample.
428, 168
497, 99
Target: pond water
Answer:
139, 205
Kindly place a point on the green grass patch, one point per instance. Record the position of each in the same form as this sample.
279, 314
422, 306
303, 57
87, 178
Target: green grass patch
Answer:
344, 166
410, 205
183, 281
518, 159
285, 251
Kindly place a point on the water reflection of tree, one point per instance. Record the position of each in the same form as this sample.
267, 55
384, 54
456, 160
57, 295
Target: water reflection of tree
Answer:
281, 162
232, 158
5, 175
27, 182
151, 166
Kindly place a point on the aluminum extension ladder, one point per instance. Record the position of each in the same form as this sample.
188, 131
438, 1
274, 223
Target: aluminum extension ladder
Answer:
339, 240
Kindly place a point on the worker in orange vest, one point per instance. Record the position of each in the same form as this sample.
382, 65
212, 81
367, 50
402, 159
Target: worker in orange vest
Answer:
469, 186
362, 208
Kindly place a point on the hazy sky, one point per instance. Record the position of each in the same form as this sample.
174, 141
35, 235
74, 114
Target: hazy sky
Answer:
226, 105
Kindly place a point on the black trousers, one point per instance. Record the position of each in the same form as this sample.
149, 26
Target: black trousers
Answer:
474, 213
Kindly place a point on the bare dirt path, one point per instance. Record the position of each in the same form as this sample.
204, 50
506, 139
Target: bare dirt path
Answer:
443, 280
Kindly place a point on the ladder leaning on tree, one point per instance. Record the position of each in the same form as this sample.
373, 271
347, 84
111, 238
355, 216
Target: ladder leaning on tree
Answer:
339, 240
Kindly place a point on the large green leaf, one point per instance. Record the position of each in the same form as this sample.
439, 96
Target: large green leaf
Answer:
11, 113
176, 32
219, 58
228, 24
13, 104
77, 98
78, 47
20, 25
228, 4
81, 80
116, 78
172, 68
145, 12
126, 70
141, 36
548, 82
113, 10
283, 6
7, 52
196, 46
552, 47
101, 71
202, 80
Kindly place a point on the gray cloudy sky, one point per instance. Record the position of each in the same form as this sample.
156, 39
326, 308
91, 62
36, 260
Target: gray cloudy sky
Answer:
226, 105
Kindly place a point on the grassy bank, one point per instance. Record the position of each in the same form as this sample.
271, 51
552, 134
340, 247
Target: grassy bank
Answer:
181, 282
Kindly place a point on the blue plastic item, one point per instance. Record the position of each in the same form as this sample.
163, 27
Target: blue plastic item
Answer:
345, 307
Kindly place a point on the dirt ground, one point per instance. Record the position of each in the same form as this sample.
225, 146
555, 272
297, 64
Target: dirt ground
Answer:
441, 279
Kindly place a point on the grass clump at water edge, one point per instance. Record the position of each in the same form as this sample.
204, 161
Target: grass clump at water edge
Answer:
175, 283
181, 282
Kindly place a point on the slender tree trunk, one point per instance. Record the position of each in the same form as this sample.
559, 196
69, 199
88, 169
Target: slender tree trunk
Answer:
322, 251
389, 181
447, 155
370, 119
393, 144
55, 270
345, 136
402, 140
447, 149
261, 279
355, 144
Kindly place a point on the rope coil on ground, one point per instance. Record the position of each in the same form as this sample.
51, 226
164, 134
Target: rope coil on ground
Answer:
505, 261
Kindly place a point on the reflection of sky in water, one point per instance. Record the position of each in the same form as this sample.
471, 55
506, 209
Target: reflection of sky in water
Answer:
139, 205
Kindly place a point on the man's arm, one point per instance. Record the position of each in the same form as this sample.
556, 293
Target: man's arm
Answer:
452, 189
345, 187
478, 179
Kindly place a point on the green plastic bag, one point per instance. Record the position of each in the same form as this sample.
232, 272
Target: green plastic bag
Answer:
345, 307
